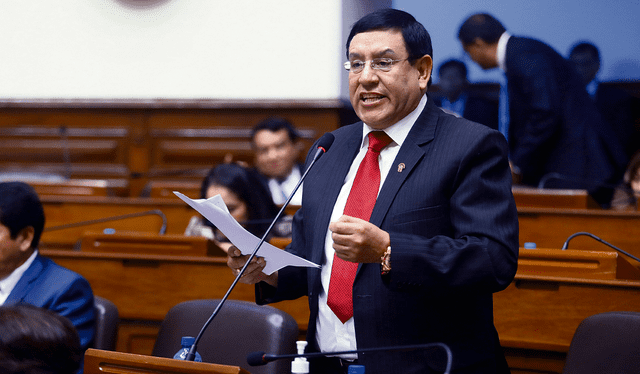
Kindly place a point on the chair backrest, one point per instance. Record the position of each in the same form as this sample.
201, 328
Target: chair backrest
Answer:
107, 320
605, 343
240, 328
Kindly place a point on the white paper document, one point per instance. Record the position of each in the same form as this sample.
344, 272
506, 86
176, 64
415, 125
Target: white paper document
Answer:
215, 210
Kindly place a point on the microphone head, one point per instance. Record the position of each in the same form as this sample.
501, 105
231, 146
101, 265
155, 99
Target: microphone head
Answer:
325, 141
256, 359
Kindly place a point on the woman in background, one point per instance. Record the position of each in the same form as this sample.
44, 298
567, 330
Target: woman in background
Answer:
626, 195
247, 200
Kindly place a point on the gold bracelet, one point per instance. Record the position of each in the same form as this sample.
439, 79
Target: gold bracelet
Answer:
386, 261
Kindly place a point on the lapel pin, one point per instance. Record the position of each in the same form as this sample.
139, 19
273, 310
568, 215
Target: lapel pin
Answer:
401, 167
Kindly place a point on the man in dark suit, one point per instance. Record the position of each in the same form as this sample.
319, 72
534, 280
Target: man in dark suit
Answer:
614, 104
275, 144
441, 238
26, 276
455, 97
556, 135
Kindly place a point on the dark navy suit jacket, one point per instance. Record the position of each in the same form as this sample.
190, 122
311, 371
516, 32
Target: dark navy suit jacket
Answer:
554, 125
48, 285
453, 225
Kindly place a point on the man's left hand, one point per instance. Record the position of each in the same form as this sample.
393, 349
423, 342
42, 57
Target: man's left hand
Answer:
357, 240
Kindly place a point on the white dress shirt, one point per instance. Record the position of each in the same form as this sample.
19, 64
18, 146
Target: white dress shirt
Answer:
331, 333
280, 190
9, 283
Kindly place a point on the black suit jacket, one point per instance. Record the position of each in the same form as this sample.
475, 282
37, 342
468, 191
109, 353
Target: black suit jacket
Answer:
453, 225
616, 105
554, 125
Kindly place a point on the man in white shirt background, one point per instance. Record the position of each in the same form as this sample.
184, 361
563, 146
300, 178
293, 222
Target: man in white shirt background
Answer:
276, 147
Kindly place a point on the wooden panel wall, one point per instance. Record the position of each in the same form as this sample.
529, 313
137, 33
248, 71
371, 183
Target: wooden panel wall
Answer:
138, 141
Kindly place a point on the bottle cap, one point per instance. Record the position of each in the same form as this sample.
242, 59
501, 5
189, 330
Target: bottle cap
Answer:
187, 341
529, 245
356, 369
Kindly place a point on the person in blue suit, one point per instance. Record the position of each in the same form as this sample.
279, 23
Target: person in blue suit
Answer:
442, 236
26, 276
557, 137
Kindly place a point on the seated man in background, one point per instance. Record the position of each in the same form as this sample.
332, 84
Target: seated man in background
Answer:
37, 341
614, 104
276, 150
458, 100
26, 276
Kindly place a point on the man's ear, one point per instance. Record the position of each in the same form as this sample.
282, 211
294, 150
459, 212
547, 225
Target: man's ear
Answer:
25, 238
425, 68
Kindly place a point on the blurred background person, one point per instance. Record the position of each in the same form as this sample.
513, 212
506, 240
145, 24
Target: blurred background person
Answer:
276, 147
615, 104
26, 276
557, 138
246, 198
627, 195
455, 97
36, 340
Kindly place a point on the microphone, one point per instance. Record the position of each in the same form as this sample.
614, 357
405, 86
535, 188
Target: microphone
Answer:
157, 212
566, 244
261, 358
323, 145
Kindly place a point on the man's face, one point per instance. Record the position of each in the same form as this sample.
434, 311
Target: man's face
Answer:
380, 98
13, 252
480, 53
586, 64
275, 154
452, 82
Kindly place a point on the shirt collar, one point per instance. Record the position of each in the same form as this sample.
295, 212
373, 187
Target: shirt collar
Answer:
502, 50
7, 284
398, 131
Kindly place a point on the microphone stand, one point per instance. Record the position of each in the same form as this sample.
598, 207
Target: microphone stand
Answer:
192, 351
157, 212
566, 244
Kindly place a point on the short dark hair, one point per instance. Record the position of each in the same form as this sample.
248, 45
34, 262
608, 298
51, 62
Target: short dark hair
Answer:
454, 64
37, 341
582, 47
20, 207
274, 124
416, 38
483, 26
247, 186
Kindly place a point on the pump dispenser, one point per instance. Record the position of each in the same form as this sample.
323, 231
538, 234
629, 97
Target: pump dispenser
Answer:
300, 365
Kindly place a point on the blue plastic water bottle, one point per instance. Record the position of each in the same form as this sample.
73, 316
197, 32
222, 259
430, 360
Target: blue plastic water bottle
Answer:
187, 342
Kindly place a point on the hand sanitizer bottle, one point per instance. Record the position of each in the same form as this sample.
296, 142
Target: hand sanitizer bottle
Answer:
300, 365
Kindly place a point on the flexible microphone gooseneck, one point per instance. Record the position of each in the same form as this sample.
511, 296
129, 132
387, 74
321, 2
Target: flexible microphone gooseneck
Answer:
566, 244
261, 358
156, 212
323, 145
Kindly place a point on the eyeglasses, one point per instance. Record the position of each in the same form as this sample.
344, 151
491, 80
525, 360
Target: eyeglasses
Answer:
382, 64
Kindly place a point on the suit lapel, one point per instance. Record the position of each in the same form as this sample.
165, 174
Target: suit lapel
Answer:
331, 173
24, 285
411, 152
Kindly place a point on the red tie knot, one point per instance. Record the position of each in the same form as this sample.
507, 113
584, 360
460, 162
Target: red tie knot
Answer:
378, 140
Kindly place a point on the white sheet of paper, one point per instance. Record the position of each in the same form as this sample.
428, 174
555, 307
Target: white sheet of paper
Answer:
215, 210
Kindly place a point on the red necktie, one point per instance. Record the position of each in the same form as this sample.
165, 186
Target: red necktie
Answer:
360, 202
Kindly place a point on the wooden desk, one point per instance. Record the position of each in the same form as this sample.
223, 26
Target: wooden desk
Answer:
537, 315
551, 198
145, 287
64, 210
550, 228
